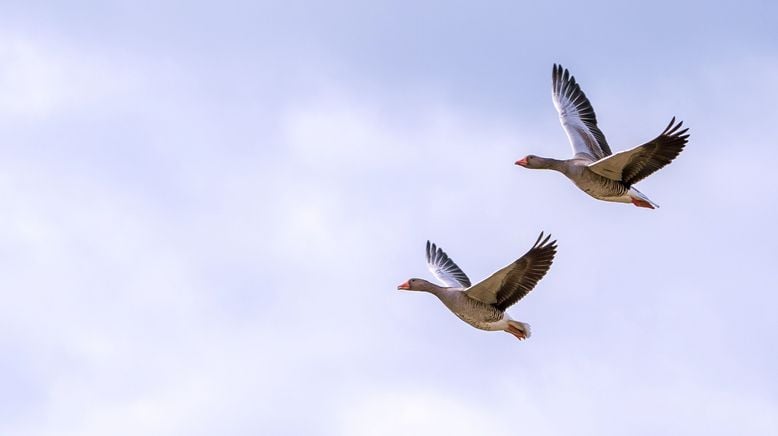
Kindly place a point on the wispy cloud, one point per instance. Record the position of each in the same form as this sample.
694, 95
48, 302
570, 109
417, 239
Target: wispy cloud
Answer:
191, 247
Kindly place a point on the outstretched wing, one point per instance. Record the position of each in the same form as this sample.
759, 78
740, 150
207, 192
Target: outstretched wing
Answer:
510, 284
444, 269
577, 116
632, 166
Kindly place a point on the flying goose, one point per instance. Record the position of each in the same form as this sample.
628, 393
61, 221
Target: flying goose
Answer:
483, 305
593, 168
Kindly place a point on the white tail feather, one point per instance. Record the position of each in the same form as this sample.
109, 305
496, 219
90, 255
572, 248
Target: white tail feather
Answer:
637, 194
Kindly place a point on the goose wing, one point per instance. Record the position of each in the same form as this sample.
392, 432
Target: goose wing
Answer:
634, 165
510, 284
444, 269
577, 116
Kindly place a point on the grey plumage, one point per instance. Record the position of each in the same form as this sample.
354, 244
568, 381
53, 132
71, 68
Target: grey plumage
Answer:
483, 305
593, 167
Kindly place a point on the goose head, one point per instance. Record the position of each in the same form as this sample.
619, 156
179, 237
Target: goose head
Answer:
415, 285
530, 161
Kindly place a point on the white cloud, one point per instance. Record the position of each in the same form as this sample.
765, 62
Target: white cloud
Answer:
39, 78
412, 411
181, 281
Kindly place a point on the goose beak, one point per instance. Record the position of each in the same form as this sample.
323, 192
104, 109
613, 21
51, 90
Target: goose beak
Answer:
405, 286
522, 162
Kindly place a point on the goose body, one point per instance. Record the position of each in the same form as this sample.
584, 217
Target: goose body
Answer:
483, 305
594, 168
474, 312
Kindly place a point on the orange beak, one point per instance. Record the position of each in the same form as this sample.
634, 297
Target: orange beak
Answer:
405, 286
522, 162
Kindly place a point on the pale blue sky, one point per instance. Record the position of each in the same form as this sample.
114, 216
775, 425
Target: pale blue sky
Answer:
207, 209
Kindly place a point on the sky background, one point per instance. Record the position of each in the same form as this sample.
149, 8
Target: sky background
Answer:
207, 207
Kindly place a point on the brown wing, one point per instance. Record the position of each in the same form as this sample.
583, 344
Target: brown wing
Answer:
508, 285
656, 154
634, 165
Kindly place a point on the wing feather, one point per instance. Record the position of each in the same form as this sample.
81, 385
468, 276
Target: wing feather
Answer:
444, 269
577, 116
510, 284
634, 165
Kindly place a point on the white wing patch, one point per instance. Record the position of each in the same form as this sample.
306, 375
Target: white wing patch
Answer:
444, 269
577, 115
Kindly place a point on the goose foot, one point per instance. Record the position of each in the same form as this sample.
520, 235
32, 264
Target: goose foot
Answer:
641, 203
520, 335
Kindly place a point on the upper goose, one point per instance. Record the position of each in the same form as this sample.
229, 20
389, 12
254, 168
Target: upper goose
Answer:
593, 168
483, 305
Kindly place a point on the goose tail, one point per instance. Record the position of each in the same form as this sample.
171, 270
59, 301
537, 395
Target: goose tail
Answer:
640, 200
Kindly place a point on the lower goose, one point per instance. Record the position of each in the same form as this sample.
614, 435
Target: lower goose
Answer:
483, 305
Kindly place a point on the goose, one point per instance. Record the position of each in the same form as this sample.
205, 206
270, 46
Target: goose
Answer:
483, 305
593, 168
